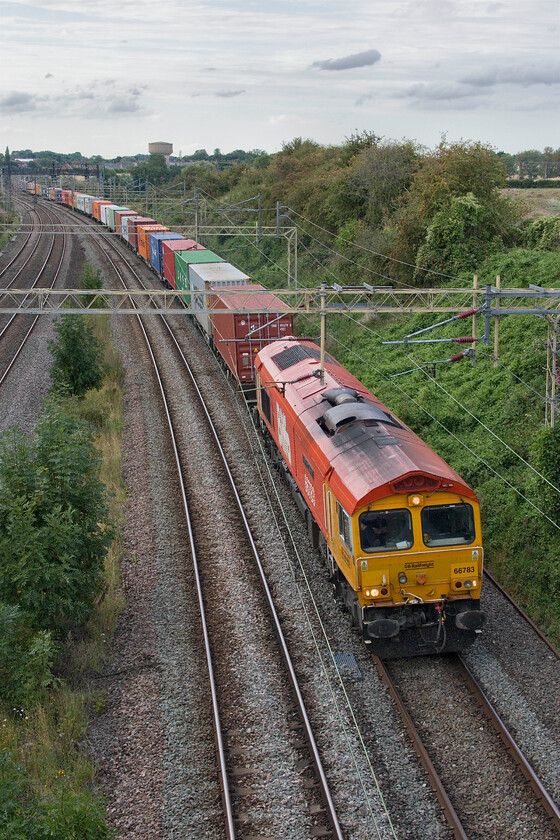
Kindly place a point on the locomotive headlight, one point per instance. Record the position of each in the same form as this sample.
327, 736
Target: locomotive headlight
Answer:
402, 577
375, 593
467, 584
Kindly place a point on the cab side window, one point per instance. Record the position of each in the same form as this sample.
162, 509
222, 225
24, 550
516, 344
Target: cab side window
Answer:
344, 527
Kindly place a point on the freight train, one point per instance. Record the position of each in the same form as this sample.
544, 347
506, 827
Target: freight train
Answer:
398, 527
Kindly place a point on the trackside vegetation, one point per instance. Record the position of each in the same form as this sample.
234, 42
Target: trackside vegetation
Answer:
60, 496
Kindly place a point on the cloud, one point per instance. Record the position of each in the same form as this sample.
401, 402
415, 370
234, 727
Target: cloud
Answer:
18, 102
227, 94
120, 105
49, 76
365, 97
363, 59
536, 73
440, 91
98, 98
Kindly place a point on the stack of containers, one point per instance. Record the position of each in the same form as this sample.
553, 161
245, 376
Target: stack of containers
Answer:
103, 212
96, 206
156, 249
214, 275
82, 204
119, 216
168, 250
143, 233
110, 211
238, 336
183, 261
133, 223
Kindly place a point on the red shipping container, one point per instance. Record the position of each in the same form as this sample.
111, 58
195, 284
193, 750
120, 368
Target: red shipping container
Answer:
118, 217
238, 336
168, 247
133, 225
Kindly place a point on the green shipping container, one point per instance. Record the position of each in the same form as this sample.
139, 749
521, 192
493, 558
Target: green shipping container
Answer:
182, 261
111, 216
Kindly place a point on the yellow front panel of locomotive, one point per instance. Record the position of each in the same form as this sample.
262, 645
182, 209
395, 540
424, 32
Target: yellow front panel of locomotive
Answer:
419, 571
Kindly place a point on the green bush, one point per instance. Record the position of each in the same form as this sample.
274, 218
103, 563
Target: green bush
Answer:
543, 234
26, 658
53, 521
61, 814
77, 356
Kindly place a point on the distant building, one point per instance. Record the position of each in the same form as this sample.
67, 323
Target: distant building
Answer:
160, 148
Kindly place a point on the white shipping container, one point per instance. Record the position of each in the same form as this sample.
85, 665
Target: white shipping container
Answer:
212, 275
88, 204
124, 226
103, 212
82, 201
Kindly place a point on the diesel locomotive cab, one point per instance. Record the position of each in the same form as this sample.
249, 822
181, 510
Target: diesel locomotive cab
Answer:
420, 569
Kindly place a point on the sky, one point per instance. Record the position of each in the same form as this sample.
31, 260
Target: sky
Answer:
110, 76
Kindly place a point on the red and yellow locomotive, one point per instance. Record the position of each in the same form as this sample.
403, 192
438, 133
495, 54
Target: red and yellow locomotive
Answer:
399, 528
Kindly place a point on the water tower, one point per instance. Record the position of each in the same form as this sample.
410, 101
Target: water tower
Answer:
165, 149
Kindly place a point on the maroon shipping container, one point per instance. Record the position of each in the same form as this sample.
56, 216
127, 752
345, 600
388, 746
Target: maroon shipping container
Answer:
168, 248
118, 218
133, 224
238, 336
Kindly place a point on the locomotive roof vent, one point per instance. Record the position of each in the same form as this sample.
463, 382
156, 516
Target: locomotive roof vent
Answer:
339, 396
339, 416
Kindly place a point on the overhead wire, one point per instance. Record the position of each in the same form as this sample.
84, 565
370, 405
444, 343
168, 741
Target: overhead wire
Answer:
463, 408
377, 253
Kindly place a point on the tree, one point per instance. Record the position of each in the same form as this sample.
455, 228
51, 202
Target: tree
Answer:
452, 170
378, 176
461, 235
77, 356
53, 520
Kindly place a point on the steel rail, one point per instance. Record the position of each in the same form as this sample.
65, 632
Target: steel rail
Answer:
523, 614
37, 278
36, 318
436, 784
28, 237
490, 712
327, 798
34, 249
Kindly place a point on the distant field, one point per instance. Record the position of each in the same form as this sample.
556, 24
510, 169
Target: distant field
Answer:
539, 202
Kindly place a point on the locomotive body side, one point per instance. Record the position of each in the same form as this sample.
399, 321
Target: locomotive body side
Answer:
399, 528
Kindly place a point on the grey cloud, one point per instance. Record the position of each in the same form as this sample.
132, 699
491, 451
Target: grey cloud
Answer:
49, 76
537, 73
18, 102
226, 94
366, 97
120, 105
363, 59
440, 92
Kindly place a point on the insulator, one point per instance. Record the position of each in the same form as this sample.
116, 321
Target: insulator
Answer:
467, 314
465, 339
457, 357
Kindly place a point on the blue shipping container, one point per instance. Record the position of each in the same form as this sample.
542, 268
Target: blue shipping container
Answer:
156, 250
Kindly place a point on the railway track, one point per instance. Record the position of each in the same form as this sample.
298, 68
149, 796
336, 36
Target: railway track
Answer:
415, 688
16, 330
